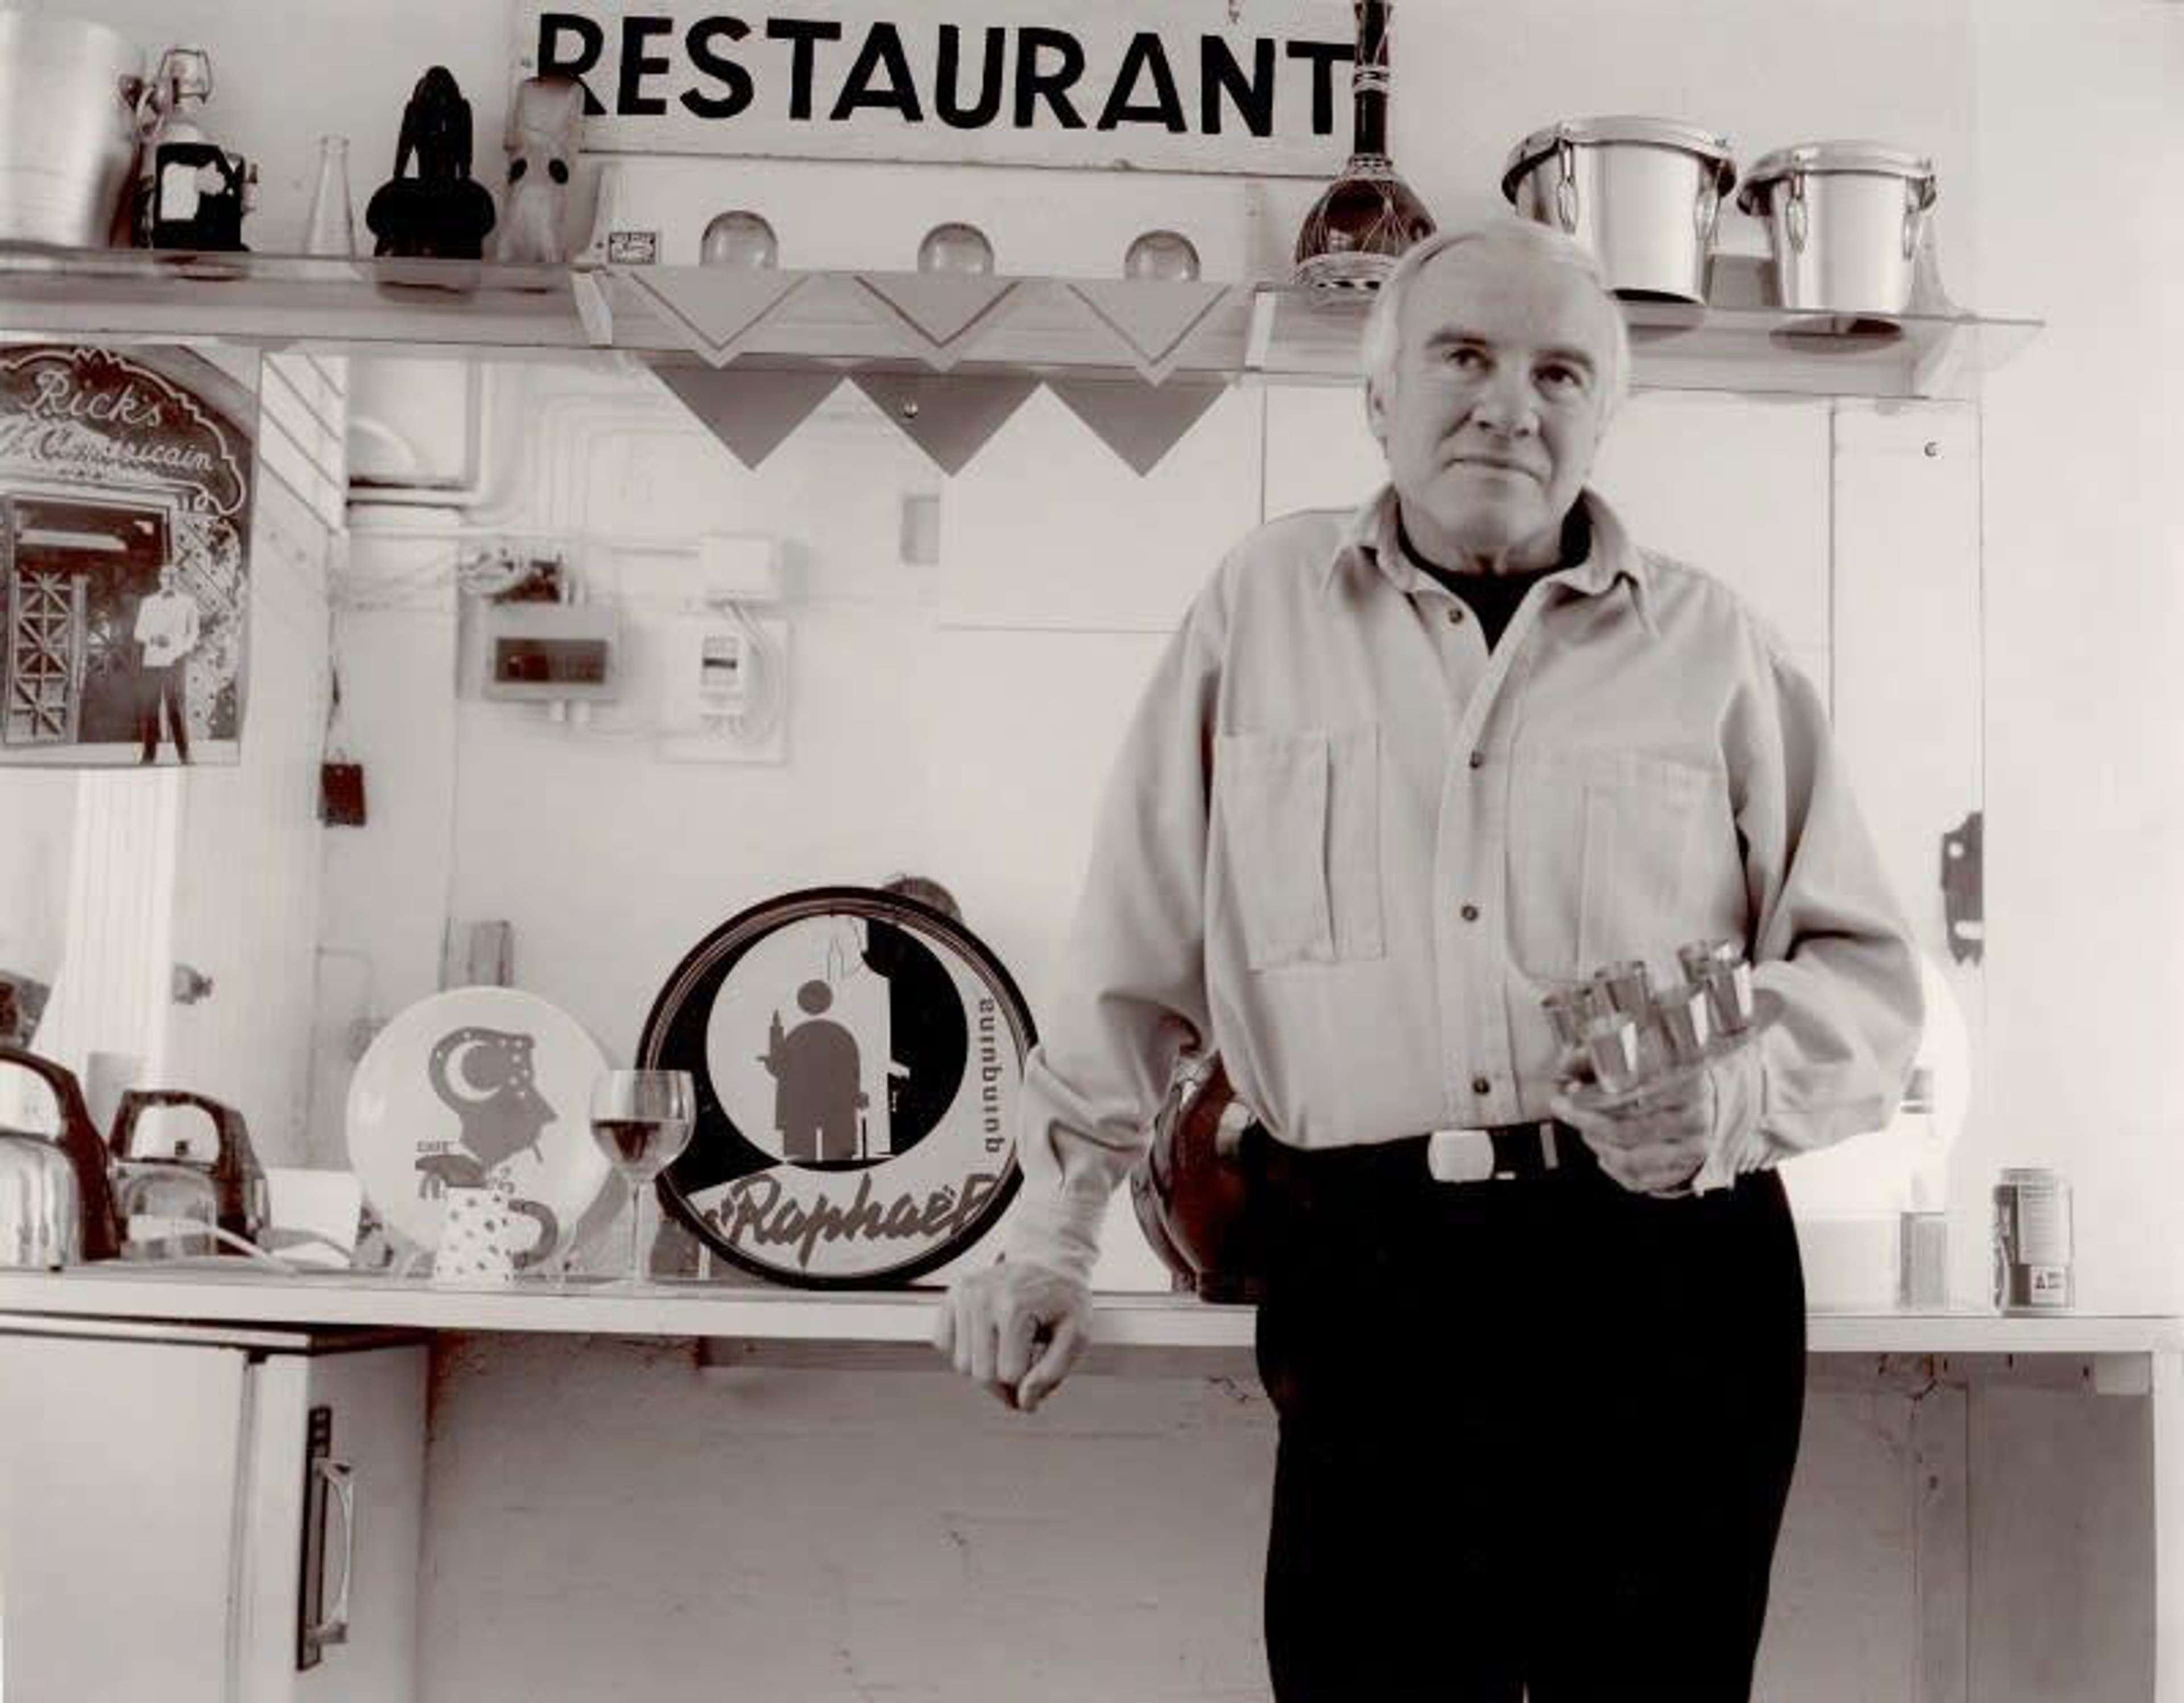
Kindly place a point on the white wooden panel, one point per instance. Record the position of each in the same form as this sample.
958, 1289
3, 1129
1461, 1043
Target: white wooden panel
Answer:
1047, 528
383, 902
118, 1515
1320, 453
1908, 622
1907, 634
248, 876
1939, 1473
302, 436
110, 993
39, 808
377, 1399
1736, 487
2167, 1442
2063, 1560
318, 383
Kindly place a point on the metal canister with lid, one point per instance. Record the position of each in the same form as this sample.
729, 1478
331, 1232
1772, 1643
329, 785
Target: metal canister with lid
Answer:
1643, 194
2032, 1242
1848, 224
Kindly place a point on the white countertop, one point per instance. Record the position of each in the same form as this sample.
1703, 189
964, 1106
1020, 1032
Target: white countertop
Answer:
199, 1295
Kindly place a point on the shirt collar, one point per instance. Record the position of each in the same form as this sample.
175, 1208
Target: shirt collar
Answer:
1369, 543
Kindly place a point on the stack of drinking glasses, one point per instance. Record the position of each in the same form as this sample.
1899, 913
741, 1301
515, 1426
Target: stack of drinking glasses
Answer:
1629, 1038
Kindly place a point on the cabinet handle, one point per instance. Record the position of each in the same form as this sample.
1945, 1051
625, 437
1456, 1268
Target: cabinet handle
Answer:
341, 1479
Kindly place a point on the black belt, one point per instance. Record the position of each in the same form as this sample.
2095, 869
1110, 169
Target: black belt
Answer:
1537, 1150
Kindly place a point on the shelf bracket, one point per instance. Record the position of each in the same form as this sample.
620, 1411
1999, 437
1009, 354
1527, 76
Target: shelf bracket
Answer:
1939, 369
592, 309
1259, 342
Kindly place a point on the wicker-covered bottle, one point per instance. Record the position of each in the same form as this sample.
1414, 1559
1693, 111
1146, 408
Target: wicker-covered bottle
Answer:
1359, 228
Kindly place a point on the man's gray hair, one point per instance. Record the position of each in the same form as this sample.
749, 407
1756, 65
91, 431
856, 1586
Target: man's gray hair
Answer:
1384, 326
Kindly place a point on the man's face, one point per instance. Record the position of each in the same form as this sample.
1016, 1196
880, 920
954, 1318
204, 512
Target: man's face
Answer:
1497, 405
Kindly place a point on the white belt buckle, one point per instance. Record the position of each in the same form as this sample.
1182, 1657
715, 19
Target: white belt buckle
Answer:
1460, 1156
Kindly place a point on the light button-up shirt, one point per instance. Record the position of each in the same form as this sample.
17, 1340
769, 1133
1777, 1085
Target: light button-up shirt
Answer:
1351, 850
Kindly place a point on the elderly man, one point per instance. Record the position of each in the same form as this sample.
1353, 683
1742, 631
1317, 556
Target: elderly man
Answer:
1400, 773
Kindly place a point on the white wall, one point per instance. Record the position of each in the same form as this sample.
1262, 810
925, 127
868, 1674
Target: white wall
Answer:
2085, 600
248, 851
39, 808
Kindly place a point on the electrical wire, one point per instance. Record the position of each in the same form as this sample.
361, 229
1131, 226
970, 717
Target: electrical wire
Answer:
755, 725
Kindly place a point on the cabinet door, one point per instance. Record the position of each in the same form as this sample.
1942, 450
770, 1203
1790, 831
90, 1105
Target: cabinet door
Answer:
373, 1403
118, 1479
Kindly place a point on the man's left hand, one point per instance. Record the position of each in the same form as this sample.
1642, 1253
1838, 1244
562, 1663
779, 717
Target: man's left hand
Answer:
1657, 1143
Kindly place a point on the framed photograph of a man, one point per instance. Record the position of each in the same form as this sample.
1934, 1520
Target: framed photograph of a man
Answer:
126, 484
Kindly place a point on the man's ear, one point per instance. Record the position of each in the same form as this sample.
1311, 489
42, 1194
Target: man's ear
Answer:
1376, 410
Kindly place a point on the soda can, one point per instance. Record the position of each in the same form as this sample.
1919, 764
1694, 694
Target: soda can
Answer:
2032, 1242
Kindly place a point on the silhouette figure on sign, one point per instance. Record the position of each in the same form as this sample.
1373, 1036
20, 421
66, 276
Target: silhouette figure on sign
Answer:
815, 1068
485, 1077
440, 212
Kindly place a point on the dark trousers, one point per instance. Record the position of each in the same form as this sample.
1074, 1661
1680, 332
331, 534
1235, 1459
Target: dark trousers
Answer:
157, 689
1535, 1437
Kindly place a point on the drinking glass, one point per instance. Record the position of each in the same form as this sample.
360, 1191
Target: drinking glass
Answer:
641, 1120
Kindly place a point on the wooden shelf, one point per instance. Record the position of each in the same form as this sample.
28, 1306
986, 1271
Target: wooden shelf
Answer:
843, 322
203, 1295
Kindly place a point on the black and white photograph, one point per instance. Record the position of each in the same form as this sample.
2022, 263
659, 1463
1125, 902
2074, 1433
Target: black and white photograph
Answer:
124, 506
1091, 851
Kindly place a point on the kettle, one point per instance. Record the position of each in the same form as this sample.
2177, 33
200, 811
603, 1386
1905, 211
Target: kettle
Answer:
56, 1197
222, 1184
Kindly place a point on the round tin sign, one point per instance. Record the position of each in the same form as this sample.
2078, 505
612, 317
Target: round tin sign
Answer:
856, 1055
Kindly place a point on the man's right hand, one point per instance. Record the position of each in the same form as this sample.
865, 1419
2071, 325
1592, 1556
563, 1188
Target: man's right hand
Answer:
1017, 1327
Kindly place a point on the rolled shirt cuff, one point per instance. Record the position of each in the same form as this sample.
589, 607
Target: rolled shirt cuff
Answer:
1739, 1104
1056, 1230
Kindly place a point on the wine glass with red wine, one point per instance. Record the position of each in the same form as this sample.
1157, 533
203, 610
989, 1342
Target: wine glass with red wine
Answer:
641, 1120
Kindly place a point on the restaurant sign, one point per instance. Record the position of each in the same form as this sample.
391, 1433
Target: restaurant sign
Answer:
1257, 86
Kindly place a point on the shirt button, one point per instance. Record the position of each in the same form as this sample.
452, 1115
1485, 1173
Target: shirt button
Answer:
1477, 759
1455, 615
1479, 1085
1470, 913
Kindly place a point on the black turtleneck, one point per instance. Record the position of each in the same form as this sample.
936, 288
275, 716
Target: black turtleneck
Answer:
1493, 598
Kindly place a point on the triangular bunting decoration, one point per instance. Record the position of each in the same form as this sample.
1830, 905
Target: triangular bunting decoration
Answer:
949, 418
1139, 422
938, 316
1154, 320
716, 309
752, 412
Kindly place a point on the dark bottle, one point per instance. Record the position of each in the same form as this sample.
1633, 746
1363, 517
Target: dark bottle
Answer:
1359, 228
191, 193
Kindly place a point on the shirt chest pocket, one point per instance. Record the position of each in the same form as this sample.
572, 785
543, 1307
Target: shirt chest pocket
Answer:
1601, 844
1298, 826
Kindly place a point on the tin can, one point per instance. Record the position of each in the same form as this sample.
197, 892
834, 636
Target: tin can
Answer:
2032, 1242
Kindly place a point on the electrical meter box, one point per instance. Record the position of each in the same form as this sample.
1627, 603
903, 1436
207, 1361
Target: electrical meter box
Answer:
552, 652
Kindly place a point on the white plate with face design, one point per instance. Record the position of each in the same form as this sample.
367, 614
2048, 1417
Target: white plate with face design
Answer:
469, 1086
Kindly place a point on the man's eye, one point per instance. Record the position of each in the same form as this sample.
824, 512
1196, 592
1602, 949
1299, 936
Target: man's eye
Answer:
1561, 378
1464, 357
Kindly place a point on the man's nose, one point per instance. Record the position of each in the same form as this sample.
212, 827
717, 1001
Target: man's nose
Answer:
1505, 402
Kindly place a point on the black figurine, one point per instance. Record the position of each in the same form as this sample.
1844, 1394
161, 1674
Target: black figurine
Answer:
439, 214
